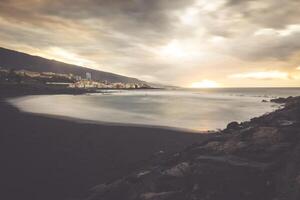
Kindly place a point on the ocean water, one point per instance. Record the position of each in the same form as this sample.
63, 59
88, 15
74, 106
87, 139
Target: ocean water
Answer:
191, 109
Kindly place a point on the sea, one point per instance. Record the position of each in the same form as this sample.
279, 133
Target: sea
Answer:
185, 109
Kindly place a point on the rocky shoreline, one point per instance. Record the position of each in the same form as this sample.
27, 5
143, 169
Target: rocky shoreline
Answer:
258, 159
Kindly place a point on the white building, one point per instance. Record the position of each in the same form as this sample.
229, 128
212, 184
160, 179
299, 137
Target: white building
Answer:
88, 76
78, 78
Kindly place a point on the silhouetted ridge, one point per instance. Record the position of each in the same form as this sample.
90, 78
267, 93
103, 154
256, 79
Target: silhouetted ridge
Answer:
16, 60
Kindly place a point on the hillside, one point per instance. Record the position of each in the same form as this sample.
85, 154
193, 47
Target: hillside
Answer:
20, 61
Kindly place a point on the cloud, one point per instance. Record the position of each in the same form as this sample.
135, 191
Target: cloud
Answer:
287, 31
264, 75
266, 45
268, 13
136, 37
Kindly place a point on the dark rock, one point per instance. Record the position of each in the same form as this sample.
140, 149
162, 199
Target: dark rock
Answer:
233, 125
282, 100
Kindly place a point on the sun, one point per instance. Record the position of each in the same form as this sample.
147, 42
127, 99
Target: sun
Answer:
205, 84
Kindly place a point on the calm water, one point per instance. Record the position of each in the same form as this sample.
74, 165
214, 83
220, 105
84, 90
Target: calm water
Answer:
188, 109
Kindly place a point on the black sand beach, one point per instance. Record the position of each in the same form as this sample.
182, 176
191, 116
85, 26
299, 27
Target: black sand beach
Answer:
43, 158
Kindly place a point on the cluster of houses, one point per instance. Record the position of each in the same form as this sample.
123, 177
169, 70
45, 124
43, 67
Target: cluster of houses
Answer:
32, 76
106, 85
89, 83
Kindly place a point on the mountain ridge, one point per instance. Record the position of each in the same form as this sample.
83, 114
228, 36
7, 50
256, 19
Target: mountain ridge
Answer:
12, 59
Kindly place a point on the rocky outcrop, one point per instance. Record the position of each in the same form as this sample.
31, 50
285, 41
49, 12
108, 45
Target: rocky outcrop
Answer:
258, 159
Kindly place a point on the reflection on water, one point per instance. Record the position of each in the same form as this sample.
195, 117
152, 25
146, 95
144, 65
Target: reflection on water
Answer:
188, 109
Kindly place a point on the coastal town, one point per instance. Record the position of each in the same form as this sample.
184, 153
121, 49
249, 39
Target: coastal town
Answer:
25, 77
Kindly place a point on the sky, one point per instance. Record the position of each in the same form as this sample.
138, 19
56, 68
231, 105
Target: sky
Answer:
188, 43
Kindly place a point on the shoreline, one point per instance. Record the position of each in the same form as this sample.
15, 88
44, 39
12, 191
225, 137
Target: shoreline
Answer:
257, 159
106, 123
49, 158
5, 98
148, 124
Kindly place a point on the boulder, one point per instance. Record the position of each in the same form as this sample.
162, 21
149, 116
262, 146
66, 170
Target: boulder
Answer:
233, 125
267, 135
178, 170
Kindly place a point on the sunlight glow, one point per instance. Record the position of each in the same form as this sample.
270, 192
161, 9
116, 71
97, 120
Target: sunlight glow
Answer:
205, 84
289, 30
261, 75
173, 49
211, 5
189, 16
217, 39
66, 56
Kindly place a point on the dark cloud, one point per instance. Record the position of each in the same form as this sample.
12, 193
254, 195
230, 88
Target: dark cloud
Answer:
268, 13
124, 15
268, 47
